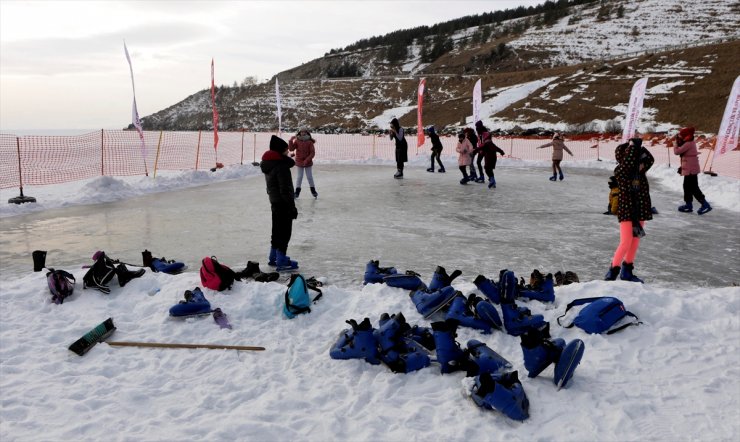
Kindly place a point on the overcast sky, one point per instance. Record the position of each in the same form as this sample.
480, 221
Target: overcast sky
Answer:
62, 64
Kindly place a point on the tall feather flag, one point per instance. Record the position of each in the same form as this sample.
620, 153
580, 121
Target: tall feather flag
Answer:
727, 137
279, 111
420, 126
215, 113
634, 109
477, 100
135, 113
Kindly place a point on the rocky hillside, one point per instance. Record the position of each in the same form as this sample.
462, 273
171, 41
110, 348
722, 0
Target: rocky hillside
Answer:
573, 73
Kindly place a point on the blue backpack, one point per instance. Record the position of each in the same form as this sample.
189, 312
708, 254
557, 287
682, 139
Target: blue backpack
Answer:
600, 315
297, 300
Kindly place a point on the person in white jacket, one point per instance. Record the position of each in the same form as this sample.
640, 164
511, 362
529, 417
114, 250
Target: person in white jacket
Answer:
558, 146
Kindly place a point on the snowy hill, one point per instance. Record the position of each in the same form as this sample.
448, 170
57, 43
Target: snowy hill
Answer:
590, 57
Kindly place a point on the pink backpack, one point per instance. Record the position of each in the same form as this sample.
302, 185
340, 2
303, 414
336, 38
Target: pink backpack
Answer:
216, 276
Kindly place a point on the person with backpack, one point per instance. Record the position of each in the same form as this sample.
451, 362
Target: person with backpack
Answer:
690, 168
436, 150
302, 144
276, 167
402, 147
558, 146
634, 206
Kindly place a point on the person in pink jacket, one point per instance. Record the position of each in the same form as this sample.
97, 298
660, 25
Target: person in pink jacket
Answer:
464, 149
690, 168
302, 147
558, 146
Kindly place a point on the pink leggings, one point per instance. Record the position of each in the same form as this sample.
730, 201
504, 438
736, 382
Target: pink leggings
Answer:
628, 244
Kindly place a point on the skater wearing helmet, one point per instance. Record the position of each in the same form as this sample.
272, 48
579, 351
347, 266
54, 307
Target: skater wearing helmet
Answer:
558, 146
686, 149
436, 149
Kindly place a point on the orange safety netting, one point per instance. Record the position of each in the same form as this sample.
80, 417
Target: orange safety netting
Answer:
43, 160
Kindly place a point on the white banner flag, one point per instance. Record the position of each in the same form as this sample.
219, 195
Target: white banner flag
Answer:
634, 109
279, 111
729, 130
477, 99
135, 112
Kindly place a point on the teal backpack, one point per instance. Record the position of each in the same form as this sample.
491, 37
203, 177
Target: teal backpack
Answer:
297, 300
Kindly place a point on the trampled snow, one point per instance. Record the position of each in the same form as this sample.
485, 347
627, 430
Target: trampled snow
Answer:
675, 377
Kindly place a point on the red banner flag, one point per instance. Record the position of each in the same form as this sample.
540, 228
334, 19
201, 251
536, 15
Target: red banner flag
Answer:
215, 112
420, 126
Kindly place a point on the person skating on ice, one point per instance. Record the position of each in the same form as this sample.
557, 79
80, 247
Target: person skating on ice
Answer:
436, 149
690, 168
558, 146
302, 147
397, 134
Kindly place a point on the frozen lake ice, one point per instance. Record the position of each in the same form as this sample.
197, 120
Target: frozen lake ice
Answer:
362, 213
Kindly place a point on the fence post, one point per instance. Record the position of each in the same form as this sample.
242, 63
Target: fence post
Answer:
20, 199
254, 149
242, 160
197, 151
375, 137
156, 159
102, 153
511, 147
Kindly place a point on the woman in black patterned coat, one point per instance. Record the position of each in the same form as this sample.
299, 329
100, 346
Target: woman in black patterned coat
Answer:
634, 206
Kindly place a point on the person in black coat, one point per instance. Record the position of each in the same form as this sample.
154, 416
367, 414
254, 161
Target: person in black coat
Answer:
402, 147
276, 167
436, 149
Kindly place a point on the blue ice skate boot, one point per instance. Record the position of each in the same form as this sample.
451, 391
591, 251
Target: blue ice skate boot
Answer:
705, 207
272, 257
480, 179
501, 392
440, 278
554, 178
460, 311
491, 183
427, 303
450, 356
488, 288
561, 176
627, 275
487, 312
539, 350
508, 287
518, 320
283, 262
390, 330
408, 281
374, 273
357, 343
686, 208
545, 292
485, 359
195, 303
569, 359
465, 180
612, 274
412, 356
422, 335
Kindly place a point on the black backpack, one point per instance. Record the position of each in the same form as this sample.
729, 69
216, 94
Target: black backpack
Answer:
99, 274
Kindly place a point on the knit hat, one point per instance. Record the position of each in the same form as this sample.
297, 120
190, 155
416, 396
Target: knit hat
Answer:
461, 134
478, 124
278, 144
430, 129
687, 133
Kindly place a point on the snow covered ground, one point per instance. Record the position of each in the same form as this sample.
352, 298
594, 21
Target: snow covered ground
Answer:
675, 377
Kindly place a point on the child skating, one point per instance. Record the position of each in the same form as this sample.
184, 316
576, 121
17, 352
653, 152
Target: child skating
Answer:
558, 146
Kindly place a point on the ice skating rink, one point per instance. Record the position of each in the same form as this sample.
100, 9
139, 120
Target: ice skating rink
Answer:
424, 220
